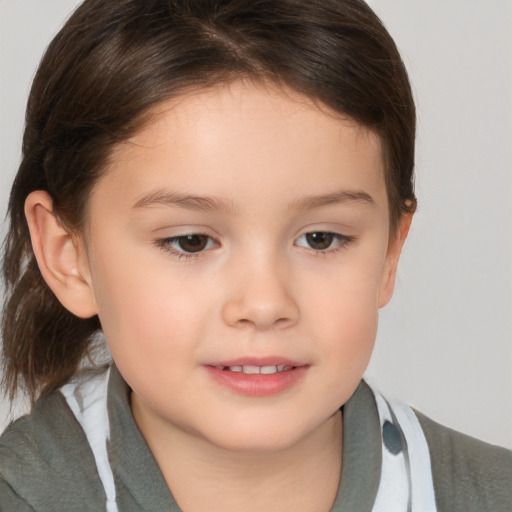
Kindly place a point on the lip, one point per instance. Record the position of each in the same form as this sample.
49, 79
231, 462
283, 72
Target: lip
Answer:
259, 361
257, 385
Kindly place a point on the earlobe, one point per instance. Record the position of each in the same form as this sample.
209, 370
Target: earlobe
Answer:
393, 256
58, 256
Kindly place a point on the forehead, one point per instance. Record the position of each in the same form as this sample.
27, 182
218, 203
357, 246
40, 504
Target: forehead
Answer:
245, 141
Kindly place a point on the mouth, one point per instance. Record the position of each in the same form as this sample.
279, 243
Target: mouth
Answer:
256, 377
251, 369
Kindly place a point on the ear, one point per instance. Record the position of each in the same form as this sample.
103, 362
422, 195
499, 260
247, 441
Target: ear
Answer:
61, 261
393, 255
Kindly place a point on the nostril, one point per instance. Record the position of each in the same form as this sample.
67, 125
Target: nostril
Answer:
263, 323
283, 322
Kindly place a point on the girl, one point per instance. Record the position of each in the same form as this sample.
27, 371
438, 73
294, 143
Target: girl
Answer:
221, 189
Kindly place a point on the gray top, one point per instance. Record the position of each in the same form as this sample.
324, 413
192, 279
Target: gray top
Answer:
469, 475
46, 464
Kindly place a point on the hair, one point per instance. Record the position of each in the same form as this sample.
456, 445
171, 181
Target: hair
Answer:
113, 61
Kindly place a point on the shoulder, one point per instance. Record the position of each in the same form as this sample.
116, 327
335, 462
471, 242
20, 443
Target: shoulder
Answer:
469, 475
45, 461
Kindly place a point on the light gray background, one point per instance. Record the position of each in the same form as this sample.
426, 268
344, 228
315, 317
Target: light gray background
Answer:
445, 341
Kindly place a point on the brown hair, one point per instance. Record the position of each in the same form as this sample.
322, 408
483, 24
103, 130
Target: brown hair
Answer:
114, 60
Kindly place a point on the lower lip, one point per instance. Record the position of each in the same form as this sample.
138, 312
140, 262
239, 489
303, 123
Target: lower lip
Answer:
257, 385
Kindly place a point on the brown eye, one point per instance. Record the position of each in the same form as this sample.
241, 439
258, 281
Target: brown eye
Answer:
324, 242
184, 246
320, 240
192, 243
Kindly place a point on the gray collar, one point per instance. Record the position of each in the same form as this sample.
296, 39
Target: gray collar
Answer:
141, 486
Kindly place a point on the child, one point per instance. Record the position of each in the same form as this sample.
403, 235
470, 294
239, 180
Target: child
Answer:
222, 189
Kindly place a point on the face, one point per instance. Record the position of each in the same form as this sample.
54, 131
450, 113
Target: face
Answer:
237, 252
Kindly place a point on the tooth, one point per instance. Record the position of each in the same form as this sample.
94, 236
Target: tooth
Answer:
268, 370
286, 368
280, 367
251, 370
235, 369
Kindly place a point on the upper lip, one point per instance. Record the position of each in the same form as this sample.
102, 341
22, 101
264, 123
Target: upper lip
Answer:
258, 361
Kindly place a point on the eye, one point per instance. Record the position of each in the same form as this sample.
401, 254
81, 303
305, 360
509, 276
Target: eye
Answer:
323, 240
187, 244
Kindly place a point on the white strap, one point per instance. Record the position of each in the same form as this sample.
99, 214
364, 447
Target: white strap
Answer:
87, 398
406, 477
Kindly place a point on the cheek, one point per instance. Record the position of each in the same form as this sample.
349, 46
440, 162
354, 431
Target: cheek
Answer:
131, 307
148, 313
352, 325
349, 339
344, 311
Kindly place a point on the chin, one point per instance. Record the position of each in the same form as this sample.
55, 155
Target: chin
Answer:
260, 437
255, 444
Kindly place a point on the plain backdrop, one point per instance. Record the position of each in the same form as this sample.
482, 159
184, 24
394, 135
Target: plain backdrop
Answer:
445, 341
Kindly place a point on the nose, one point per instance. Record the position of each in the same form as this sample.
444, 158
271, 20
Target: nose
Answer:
260, 297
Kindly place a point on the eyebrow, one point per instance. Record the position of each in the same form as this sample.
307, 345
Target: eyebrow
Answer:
163, 197
183, 200
341, 196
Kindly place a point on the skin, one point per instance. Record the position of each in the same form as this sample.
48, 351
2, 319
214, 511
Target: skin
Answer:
274, 167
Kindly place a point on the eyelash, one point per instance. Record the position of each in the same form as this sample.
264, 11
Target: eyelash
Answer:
339, 241
166, 244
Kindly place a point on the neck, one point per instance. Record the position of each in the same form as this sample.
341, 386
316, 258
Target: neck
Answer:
202, 476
